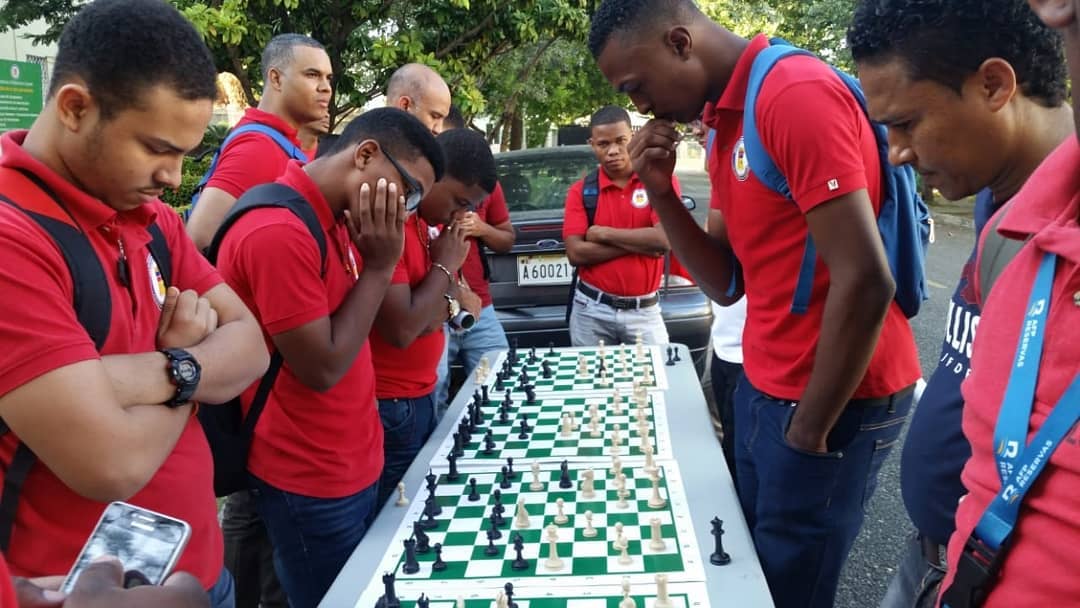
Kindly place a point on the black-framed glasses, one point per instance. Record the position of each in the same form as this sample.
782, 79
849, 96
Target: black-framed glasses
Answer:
416, 191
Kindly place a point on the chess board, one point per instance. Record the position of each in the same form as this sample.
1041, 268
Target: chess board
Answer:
462, 525
622, 364
545, 441
682, 595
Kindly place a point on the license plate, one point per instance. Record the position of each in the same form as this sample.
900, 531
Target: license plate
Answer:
544, 270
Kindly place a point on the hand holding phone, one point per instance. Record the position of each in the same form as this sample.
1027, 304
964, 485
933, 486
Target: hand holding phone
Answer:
100, 586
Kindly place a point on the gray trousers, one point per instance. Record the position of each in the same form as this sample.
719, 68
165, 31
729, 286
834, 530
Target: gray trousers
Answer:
592, 321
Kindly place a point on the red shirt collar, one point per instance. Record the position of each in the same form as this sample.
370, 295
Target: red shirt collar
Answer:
606, 182
734, 96
1048, 206
272, 120
90, 212
296, 178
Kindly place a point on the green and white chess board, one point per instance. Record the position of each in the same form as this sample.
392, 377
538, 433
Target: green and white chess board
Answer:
623, 366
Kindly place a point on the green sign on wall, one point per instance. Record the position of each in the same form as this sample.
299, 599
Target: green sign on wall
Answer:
20, 94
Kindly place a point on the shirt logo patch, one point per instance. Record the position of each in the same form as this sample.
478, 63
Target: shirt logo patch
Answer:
739, 163
834, 185
157, 282
640, 199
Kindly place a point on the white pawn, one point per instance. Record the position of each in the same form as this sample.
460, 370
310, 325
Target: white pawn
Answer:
656, 501
567, 425
574, 424
616, 402
624, 556
560, 517
656, 537
594, 413
622, 492
401, 500
588, 487
646, 376
582, 366
626, 602
640, 343
594, 429
650, 464
589, 531
553, 562
521, 519
460, 602
536, 486
616, 441
662, 599
501, 601
620, 540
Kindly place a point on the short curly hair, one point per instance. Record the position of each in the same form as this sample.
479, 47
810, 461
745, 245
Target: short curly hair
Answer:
946, 41
624, 16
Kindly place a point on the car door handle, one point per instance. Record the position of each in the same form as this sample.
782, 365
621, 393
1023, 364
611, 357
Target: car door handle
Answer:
548, 243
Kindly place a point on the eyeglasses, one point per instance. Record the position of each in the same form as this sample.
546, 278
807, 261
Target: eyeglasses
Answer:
416, 191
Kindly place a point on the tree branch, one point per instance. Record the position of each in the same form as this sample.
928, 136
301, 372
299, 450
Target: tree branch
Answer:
464, 37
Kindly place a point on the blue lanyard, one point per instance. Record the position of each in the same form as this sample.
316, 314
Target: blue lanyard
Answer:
1020, 464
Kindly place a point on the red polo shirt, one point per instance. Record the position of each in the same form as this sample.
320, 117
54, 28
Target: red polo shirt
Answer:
630, 275
323, 444
493, 211
252, 158
7, 586
821, 141
1041, 567
39, 332
410, 372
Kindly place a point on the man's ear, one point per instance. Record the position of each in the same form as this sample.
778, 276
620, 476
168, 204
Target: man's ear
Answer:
273, 78
73, 105
996, 82
365, 153
680, 41
1057, 14
404, 103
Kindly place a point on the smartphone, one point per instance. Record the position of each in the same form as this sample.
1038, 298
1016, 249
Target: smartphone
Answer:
145, 542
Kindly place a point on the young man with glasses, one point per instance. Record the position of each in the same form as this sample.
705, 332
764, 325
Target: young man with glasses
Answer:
426, 292
317, 452
619, 252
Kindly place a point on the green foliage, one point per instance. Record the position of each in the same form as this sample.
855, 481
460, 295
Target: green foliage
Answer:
192, 172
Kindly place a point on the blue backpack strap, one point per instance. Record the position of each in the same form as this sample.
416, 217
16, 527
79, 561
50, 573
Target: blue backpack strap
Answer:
590, 195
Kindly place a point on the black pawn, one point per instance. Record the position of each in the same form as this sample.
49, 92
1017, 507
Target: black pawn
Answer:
491, 550
438, 565
453, 474
411, 565
504, 413
423, 602
719, 557
670, 357
532, 356
564, 476
545, 369
519, 562
524, 432
504, 483
484, 398
509, 589
510, 467
551, 348
677, 357
507, 400
473, 494
489, 443
498, 382
422, 539
493, 520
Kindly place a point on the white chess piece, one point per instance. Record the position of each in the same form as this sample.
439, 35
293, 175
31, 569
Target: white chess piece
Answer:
588, 487
460, 602
401, 500
616, 441
594, 429
582, 366
567, 425
662, 598
620, 540
624, 556
616, 466
589, 531
536, 486
616, 402
626, 601
656, 540
640, 344
521, 519
655, 500
574, 424
646, 376
501, 601
553, 562
622, 492
594, 413
560, 516
650, 464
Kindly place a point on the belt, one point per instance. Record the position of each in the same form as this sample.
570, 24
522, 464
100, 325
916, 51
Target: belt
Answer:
618, 302
868, 402
932, 552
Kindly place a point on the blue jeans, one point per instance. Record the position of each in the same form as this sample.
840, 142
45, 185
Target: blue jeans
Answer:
917, 582
805, 509
486, 335
312, 537
223, 593
407, 425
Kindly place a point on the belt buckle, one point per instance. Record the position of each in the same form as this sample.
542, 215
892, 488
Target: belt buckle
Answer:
975, 573
624, 303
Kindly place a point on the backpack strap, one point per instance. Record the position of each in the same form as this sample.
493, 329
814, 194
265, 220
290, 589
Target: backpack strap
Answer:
289, 148
997, 252
590, 198
14, 477
159, 249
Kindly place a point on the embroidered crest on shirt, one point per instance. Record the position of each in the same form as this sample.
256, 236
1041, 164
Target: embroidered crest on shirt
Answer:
157, 282
640, 199
739, 163
834, 185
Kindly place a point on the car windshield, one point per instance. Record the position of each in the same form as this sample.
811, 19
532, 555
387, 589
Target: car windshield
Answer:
535, 185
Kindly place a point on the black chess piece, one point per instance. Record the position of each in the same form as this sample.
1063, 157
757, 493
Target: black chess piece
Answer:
530, 395
499, 510
677, 357
504, 413
670, 357
551, 348
422, 539
485, 399
433, 483
519, 562
507, 399
411, 565
719, 557
428, 522
493, 521
473, 494
504, 481
498, 382
532, 356
389, 598
453, 475
478, 417
459, 445
545, 369
510, 467
489, 443
423, 602
438, 565
564, 476
524, 432
491, 550
508, 588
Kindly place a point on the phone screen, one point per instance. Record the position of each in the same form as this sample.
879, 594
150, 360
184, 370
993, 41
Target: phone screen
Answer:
142, 540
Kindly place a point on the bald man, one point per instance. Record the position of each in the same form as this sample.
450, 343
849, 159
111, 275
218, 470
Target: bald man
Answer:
420, 91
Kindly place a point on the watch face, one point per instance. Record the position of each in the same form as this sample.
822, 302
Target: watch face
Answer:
186, 371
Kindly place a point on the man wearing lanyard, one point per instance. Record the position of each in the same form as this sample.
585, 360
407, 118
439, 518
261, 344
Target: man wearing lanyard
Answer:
1016, 529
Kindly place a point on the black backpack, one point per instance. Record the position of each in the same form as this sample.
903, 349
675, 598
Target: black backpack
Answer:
91, 300
228, 431
590, 196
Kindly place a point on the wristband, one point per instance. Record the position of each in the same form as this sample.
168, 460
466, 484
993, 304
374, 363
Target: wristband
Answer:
449, 275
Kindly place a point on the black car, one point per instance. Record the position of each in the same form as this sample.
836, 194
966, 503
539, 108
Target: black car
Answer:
530, 284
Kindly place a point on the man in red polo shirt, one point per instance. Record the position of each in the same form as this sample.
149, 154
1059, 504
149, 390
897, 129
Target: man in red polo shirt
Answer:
1010, 426
620, 255
825, 392
132, 92
297, 76
425, 293
317, 452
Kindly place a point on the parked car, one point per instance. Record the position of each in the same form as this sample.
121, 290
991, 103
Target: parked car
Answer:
530, 285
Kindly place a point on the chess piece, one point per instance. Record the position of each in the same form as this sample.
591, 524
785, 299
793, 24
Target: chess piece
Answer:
453, 474
389, 598
677, 357
626, 601
594, 412
473, 494
500, 600
524, 428
545, 370
670, 357
536, 486
594, 429
719, 557
616, 402
530, 395
551, 349
493, 523
519, 562
620, 540
589, 531
510, 468
639, 343
504, 414
646, 375
560, 516
489, 443
504, 483
509, 594
574, 424
499, 382
411, 566
650, 464
616, 467
567, 427
616, 441
421, 537
624, 555
401, 500
656, 537
564, 476
439, 565
655, 500
582, 366
491, 550
498, 507
428, 522
423, 601
457, 450
588, 487
553, 562
621, 492
663, 600
521, 517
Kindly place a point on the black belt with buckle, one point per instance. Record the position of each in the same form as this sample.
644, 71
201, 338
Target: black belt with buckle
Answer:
618, 302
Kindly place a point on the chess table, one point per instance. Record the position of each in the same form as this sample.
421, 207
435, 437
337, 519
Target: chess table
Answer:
693, 480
